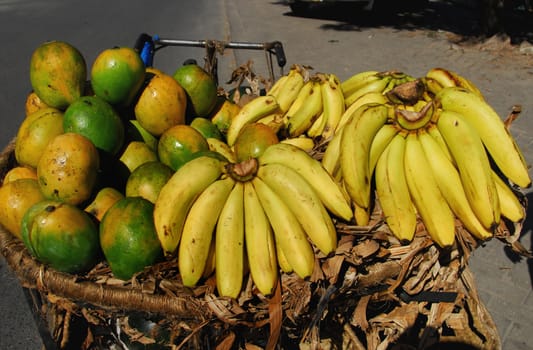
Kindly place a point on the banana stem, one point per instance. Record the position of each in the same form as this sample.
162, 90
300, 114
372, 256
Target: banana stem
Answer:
243, 171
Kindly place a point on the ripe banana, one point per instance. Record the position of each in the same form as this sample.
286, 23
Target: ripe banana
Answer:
198, 230
282, 260
288, 91
305, 143
221, 147
495, 136
251, 112
510, 205
449, 182
313, 172
427, 197
333, 104
288, 232
274, 89
473, 165
414, 119
299, 122
355, 150
433, 130
274, 120
260, 243
229, 250
301, 98
317, 128
379, 85
361, 215
177, 196
392, 191
304, 203
382, 139
331, 157
371, 97
357, 80
447, 78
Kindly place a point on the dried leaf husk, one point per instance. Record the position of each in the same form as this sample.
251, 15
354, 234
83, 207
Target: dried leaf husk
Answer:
372, 293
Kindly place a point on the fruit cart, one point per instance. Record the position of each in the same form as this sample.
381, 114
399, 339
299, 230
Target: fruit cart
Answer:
369, 290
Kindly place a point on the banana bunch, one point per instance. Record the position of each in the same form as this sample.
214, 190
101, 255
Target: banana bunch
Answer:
299, 104
260, 215
440, 155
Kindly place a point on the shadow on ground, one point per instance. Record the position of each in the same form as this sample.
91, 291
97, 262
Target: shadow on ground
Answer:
461, 17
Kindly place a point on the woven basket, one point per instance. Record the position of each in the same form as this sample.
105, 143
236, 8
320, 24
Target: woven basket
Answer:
373, 293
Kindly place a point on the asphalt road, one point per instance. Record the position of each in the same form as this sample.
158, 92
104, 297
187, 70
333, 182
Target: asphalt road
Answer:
343, 43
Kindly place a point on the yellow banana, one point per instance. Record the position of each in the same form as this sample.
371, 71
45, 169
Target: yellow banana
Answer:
260, 244
288, 232
313, 172
221, 147
274, 120
229, 250
318, 126
210, 262
355, 150
473, 165
426, 195
333, 104
392, 191
304, 203
303, 94
361, 215
371, 97
357, 80
448, 78
305, 143
198, 230
288, 91
449, 182
299, 122
375, 86
177, 196
274, 89
382, 139
414, 119
251, 112
433, 130
510, 205
495, 136
282, 260
330, 158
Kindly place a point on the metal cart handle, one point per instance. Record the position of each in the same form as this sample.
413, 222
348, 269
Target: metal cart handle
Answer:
147, 45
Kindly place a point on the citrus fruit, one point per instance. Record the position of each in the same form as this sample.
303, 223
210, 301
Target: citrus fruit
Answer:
177, 145
137, 153
61, 235
57, 73
147, 180
33, 103
161, 105
15, 198
223, 114
35, 132
206, 128
94, 118
103, 200
135, 132
200, 87
253, 140
20, 172
128, 237
117, 75
68, 168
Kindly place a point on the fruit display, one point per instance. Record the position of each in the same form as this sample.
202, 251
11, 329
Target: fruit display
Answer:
142, 172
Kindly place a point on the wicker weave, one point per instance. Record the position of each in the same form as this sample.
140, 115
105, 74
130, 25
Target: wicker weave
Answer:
373, 293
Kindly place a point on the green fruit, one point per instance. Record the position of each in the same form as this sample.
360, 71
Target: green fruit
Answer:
128, 237
178, 144
97, 120
61, 236
57, 73
206, 128
117, 75
200, 87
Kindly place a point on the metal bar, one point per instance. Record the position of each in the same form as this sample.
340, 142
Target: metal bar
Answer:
203, 43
